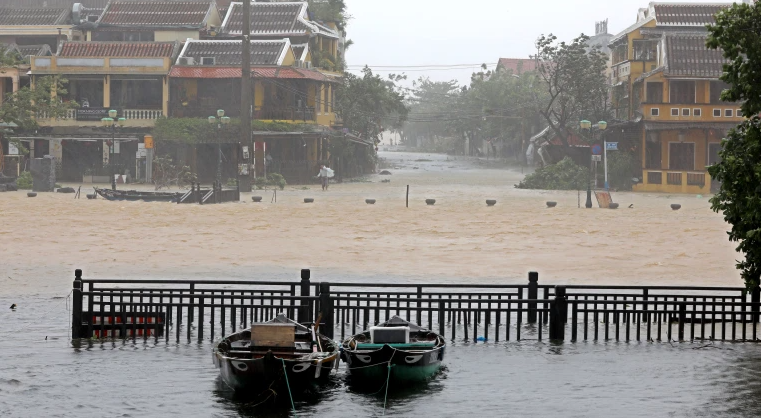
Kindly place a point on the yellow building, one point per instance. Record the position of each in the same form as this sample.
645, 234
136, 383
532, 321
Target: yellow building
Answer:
153, 21
130, 77
207, 77
666, 79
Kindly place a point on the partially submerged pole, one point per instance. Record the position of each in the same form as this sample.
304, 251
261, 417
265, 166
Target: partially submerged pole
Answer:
408, 196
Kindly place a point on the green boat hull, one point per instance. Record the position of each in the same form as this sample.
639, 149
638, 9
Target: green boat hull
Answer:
400, 374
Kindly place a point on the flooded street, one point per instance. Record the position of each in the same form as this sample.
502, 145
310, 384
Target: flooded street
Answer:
340, 237
458, 239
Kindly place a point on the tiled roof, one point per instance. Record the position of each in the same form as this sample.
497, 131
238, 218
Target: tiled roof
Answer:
518, 65
272, 19
229, 52
687, 55
54, 4
687, 14
156, 13
36, 50
256, 72
34, 17
118, 49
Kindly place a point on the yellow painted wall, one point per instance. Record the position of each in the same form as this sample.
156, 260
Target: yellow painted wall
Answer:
289, 59
171, 36
258, 94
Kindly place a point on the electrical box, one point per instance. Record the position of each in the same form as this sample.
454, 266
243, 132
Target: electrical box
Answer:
245, 153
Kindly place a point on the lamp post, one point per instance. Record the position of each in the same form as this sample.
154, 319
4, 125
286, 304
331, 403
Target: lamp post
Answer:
112, 123
220, 120
587, 125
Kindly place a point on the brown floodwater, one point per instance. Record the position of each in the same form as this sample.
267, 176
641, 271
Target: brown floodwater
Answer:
458, 239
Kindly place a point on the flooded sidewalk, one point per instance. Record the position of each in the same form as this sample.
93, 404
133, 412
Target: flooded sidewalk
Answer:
340, 237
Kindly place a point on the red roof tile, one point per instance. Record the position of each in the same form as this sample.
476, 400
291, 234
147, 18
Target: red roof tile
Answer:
688, 56
205, 72
117, 49
518, 65
156, 13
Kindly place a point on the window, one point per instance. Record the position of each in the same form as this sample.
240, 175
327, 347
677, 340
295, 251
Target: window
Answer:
685, 112
644, 50
654, 111
208, 60
696, 112
653, 151
681, 156
713, 153
716, 88
717, 113
727, 113
655, 92
739, 113
682, 92
674, 111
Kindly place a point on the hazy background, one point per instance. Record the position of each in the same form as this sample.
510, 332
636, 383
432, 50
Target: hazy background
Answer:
426, 32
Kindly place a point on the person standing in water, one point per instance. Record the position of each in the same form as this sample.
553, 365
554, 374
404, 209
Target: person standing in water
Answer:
324, 174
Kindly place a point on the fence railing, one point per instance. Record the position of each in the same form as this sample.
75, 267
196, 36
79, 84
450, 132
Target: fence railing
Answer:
210, 308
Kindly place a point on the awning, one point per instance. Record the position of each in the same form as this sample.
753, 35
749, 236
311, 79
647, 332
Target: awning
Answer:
285, 73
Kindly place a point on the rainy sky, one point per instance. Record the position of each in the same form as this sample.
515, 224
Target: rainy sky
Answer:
427, 32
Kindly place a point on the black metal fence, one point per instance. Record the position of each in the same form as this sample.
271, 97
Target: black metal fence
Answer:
201, 309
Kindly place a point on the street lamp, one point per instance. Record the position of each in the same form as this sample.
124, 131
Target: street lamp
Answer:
112, 123
587, 125
220, 120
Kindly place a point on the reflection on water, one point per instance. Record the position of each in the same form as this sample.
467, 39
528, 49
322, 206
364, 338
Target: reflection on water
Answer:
40, 377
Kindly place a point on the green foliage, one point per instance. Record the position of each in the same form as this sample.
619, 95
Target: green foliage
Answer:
330, 11
273, 179
621, 168
24, 181
369, 104
199, 130
23, 106
9, 58
565, 175
738, 33
574, 82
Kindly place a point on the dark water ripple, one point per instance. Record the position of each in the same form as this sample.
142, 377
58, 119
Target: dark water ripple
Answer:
40, 377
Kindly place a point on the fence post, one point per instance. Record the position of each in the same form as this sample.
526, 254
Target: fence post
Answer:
755, 299
326, 308
682, 320
76, 306
442, 316
304, 314
533, 293
558, 314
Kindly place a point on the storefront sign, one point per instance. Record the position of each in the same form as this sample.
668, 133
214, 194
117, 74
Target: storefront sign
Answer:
92, 113
12, 149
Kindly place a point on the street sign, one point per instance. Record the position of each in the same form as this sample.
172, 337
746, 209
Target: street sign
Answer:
611, 146
596, 149
12, 149
597, 158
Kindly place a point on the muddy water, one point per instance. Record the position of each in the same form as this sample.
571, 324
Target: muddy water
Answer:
460, 239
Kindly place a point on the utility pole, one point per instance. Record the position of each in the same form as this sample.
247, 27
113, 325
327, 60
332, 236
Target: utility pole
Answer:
245, 84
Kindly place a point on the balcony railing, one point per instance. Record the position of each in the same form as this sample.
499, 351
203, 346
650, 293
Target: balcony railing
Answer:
266, 112
719, 112
129, 114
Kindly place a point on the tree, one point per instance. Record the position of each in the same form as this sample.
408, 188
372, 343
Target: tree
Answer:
738, 33
574, 80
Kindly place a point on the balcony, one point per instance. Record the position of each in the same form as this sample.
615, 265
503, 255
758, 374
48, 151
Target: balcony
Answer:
136, 118
719, 112
672, 181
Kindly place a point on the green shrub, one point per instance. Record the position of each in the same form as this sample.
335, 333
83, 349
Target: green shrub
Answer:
565, 175
273, 179
24, 181
622, 166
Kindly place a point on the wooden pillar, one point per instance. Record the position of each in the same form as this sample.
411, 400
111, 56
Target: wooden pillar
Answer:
533, 293
165, 97
76, 306
558, 314
107, 91
304, 311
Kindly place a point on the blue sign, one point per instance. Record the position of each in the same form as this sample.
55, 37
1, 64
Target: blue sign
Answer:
611, 146
596, 149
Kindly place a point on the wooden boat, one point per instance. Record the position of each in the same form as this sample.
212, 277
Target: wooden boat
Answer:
413, 353
279, 348
135, 195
